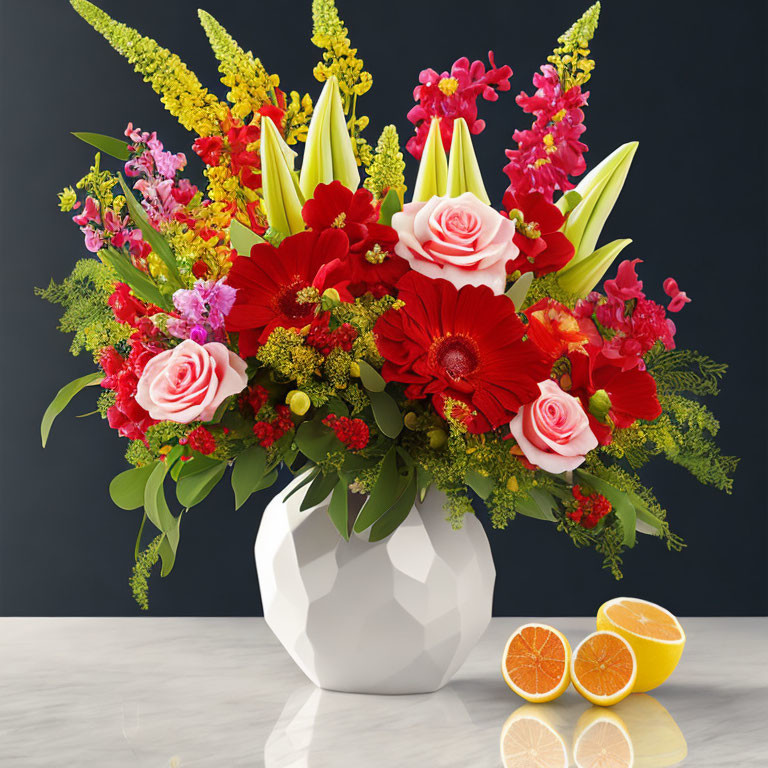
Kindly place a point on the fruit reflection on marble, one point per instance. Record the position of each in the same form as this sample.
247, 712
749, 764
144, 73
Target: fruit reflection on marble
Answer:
396, 616
602, 741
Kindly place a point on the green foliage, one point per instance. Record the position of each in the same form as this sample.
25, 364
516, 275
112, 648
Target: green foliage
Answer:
545, 287
141, 571
684, 370
84, 295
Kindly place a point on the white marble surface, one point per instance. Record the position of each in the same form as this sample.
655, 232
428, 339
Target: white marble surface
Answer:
160, 692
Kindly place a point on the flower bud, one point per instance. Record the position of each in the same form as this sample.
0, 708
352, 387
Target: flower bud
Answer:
432, 178
463, 170
437, 438
599, 405
354, 370
410, 420
298, 402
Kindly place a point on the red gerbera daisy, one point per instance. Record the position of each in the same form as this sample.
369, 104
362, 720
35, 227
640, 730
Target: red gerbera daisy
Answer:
543, 247
466, 345
269, 280
631, 394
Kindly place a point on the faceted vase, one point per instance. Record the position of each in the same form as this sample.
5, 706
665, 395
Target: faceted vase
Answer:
395, 616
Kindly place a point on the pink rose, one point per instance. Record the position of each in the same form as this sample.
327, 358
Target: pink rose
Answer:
553, 431
459, 239
189, 382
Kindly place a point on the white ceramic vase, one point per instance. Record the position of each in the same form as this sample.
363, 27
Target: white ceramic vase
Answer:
396, 616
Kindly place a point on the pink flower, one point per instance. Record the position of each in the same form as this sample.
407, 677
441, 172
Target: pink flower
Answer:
553, 431
452, 95
459, 239
679, 298
189, 382
625, 285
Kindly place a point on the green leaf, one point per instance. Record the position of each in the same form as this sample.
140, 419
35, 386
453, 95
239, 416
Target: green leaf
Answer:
582, 277
480, 484
248, 472
432, 178
156, 241
620, 501
338, 509
383, 494
315, 440
141, 284
463, 170
169, 546
386, 413
310, 476
116, 148
319, 490
538, 504
220, 411
397, 513
646, 521
568, 201
519, 290
197, 479
423, 481
370, 377
242, 239
389, 207
62, 399
267, 481
127, 488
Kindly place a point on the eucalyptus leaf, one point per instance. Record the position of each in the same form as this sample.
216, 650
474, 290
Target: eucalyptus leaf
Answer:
156, 241
383, 494
482, 485
247, 473
268, 480
338, 509
242, 239
397, 513
319, 490
127, 488
310, 476
646, 522
197, 479
386, 413
62, 399
389, 207
370, 377
423, 481
314, 439
538, 504
116, 148
169, 546
155, 504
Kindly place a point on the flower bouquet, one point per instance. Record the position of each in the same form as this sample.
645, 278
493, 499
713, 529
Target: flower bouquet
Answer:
376, 341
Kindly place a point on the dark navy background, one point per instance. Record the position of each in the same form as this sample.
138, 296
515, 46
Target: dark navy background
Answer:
685, 79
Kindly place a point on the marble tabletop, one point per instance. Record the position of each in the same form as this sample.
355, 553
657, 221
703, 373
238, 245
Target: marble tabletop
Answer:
162, 692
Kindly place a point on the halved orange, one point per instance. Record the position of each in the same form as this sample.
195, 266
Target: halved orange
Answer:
536, 662
604, 668
529, 741
602, 741
653, 632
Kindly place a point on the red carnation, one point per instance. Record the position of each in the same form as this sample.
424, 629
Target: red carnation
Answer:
554, 329
591, 507
354, 433
463, 344
200, 440
543, 247
631, 393
269, 280
269, 432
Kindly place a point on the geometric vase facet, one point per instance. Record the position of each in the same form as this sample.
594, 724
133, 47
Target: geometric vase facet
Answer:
395, 616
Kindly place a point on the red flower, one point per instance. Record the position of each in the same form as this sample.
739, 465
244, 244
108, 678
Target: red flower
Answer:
631, 393
555, 330
269, 280
128, 309
322, 338
208, 149
591, 509
549, 152
679, 298
269, 432
200, 440
354, 433
543, 247
626, 285
335, 206
466, 345
121, 375
452, 95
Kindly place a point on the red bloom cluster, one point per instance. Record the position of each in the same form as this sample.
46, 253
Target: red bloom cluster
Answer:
543, 247
121, 375
323, 339
200, 440
637, 322
269, 432
371, 264
591, 509
128, 309
555, 330
354, 433
256, 397
452, 95
466, 346
549, 151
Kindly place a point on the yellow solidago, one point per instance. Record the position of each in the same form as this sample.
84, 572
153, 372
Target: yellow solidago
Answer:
181, 92
387, 169
67, 199
298, 111
571, 58
249, 83
99, 183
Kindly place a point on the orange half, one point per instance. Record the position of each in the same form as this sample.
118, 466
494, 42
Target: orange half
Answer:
604, 668
536, 662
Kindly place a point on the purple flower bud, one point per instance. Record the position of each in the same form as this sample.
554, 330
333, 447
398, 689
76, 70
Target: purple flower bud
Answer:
198, 334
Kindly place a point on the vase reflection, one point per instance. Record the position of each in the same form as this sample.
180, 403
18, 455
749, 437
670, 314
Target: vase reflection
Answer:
636, 733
